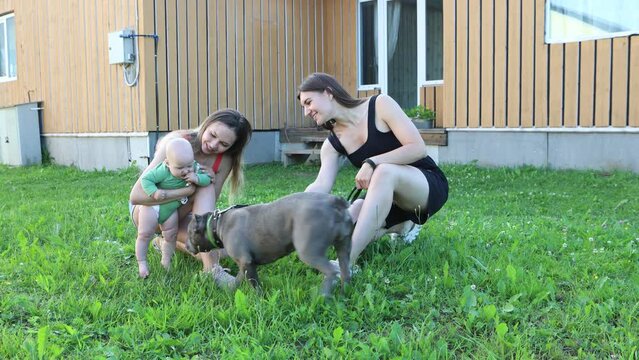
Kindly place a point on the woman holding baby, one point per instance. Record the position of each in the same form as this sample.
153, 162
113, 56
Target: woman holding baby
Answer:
217, 146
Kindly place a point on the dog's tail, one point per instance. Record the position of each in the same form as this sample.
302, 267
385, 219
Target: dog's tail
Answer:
344, 227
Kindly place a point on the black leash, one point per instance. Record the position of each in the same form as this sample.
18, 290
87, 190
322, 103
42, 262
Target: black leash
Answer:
354, 195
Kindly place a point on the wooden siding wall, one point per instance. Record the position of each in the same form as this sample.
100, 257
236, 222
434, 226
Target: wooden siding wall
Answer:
247, 55
211, 54
63, 63
500, 73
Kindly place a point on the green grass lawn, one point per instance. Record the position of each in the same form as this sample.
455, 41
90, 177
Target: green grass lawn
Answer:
520, 263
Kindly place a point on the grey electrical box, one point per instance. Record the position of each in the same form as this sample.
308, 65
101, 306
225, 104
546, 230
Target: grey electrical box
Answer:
121, 49
20, 135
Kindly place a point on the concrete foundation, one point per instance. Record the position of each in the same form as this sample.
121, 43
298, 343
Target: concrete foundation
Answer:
604, 149
120, 150
598, 149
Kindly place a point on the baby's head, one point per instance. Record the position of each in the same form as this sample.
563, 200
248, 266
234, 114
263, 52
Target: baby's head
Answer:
179, 157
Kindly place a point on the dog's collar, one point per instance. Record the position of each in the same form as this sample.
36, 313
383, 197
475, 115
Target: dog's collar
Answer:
211, 225
211, 229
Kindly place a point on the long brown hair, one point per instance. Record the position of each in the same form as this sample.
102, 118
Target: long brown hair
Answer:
243, 131
321, 81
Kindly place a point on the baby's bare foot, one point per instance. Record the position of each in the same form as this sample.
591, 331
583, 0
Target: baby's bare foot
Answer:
143, 269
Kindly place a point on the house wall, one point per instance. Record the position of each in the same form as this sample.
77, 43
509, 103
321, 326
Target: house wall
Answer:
499, 72
248, 55
63, 64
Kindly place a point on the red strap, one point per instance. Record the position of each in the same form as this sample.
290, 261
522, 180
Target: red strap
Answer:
218, 161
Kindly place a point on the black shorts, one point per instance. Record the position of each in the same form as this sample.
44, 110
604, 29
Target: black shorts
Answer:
437, 196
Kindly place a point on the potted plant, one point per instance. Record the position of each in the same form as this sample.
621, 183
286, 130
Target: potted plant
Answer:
423, 117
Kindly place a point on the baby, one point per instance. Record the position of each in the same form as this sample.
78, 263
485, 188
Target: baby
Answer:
177, 171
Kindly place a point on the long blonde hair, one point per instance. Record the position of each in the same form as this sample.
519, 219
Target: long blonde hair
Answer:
243, 131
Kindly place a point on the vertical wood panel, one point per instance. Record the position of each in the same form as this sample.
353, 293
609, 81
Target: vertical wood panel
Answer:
125, 101
192, 86
284, 93
449, 62
528, 40
555, 109
587, 84
571, 74
474, 56
173, 64
513, 64
330, 37
633, 78
602, 83
289, 75
487, 48
211, 53
132, 120
87, 96
462, 64
147, 109
267, 63
431, 97
499, 64
203, 108
222, 47
163, 99
240, 57
259, 65
272, 89
299, 24
619, 88
231, 62
249, 60
540, 108
349, 61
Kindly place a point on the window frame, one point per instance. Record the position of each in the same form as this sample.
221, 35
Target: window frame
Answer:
3, 20
604, 35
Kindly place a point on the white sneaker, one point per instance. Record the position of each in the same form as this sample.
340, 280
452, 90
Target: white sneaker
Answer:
221, 277
409, 236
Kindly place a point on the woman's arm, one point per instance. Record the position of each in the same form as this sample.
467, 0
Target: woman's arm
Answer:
325, 180
139, 197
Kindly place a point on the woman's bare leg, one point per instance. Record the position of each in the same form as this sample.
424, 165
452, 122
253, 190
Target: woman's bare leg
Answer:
405, 185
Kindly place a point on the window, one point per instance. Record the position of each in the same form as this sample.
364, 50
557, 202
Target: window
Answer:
8, 63
411, 55
578, 20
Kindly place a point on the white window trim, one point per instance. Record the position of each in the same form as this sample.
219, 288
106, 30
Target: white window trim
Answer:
421, 45
3, 19
549, 40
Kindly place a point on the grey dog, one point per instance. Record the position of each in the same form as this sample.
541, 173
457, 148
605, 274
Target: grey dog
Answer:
260, 234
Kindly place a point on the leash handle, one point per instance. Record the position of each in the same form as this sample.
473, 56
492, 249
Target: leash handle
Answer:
354, 195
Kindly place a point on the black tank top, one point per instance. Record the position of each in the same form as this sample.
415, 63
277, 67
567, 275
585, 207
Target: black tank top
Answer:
377, 143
